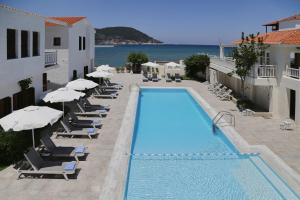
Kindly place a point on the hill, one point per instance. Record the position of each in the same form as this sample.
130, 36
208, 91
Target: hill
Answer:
122, 35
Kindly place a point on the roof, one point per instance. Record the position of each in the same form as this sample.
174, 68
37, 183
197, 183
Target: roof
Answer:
289, 37
68, 20
292, 18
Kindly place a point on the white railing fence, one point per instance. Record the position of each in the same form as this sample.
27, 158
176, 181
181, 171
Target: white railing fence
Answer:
293, 72
50, 58
265, 71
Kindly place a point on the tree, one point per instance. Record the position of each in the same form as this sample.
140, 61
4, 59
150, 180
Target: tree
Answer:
246, 56
136, 60
195, 64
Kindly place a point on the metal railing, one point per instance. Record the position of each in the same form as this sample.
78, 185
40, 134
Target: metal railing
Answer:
293, 72
221, 115
50, 58
264, 71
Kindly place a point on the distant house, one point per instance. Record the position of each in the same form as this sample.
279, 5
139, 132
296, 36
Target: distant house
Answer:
274, 82
72, 41
50, 51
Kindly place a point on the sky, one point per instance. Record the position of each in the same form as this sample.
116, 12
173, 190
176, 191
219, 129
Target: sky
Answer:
171, 21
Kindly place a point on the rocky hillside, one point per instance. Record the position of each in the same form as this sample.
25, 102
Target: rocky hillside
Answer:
122, 35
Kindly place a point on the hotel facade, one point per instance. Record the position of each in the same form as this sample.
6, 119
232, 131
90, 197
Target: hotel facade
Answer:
42, 53
274, 82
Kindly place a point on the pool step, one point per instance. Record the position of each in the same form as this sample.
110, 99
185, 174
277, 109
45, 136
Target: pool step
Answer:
190, 156
274, 179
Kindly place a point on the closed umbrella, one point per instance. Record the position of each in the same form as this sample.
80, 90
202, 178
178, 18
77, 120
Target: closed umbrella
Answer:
81, 84
63, 95
30, 118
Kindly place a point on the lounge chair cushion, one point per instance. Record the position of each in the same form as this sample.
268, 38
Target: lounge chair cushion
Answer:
91, 131
79, 149
70, 166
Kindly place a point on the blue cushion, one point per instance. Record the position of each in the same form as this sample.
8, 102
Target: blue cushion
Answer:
70, 166
80, 149
90, 130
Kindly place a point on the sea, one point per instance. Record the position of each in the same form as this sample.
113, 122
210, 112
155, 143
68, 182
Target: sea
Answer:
116, 56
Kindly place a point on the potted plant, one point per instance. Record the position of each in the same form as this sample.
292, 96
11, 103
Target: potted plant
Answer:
25, 83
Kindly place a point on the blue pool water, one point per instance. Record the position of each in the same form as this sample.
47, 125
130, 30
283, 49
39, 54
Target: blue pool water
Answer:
175, 155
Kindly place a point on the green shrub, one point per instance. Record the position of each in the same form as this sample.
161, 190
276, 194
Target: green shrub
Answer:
136, 60
195, 64
243, 104
13, 145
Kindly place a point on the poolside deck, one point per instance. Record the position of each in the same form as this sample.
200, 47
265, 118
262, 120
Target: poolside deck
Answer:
90, 179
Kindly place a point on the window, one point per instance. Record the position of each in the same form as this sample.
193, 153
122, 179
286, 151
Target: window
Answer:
268, 59
56, 41
80, 43
24, 44
35, 44
11, 38
45, 82
83, 43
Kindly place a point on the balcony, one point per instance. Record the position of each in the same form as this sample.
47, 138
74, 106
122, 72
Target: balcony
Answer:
50, 58
293, 72
264, 71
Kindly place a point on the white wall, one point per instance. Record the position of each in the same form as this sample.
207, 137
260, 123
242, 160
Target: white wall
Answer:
79, 59
289, 24
14, 70
56, 31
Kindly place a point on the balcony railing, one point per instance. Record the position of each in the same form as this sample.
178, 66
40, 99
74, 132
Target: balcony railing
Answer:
50, 58
293, 72
264, 71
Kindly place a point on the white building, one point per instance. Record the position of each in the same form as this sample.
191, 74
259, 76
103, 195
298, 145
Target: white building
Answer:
42, 49
22, 37
274, 83
70, 49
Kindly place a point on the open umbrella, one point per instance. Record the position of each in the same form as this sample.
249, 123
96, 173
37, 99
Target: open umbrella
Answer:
172, 65
81, 84
151, 64
63, 95
30, 118
105, 68
100, 74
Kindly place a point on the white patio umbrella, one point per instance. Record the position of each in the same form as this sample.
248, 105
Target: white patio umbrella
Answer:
100, 74
63, 95
81, 84
151, 64
172, 65
105, 68
30, 118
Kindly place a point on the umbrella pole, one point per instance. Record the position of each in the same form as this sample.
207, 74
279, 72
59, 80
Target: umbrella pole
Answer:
63, 104
33, 142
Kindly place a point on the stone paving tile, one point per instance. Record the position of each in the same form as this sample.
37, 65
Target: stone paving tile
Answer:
88, 184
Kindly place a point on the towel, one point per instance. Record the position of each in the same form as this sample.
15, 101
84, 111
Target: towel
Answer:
80, 149
90, 131
70, 166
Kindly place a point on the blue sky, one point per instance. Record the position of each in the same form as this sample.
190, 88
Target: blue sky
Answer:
176, 21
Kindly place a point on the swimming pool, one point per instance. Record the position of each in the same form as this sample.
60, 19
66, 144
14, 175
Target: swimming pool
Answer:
175, 155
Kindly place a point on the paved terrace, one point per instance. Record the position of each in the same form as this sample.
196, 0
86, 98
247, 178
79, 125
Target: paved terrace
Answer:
90, 179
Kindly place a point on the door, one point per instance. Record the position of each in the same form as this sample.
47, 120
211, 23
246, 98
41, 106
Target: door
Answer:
5, 106
85, 71
297, 60
24, 98
292, 103
74, 74
45, 82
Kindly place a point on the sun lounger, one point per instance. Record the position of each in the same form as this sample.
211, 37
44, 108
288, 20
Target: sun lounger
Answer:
212, 87
105, 95
74, 131
168, 77
89, 112
86, 104
226, 96
110, 84
58, 151
287, 124
145, 77
177, 77
221, 91
38, 166
83, 123
154, 77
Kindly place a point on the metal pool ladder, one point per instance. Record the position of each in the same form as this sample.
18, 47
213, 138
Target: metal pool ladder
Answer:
220, 116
